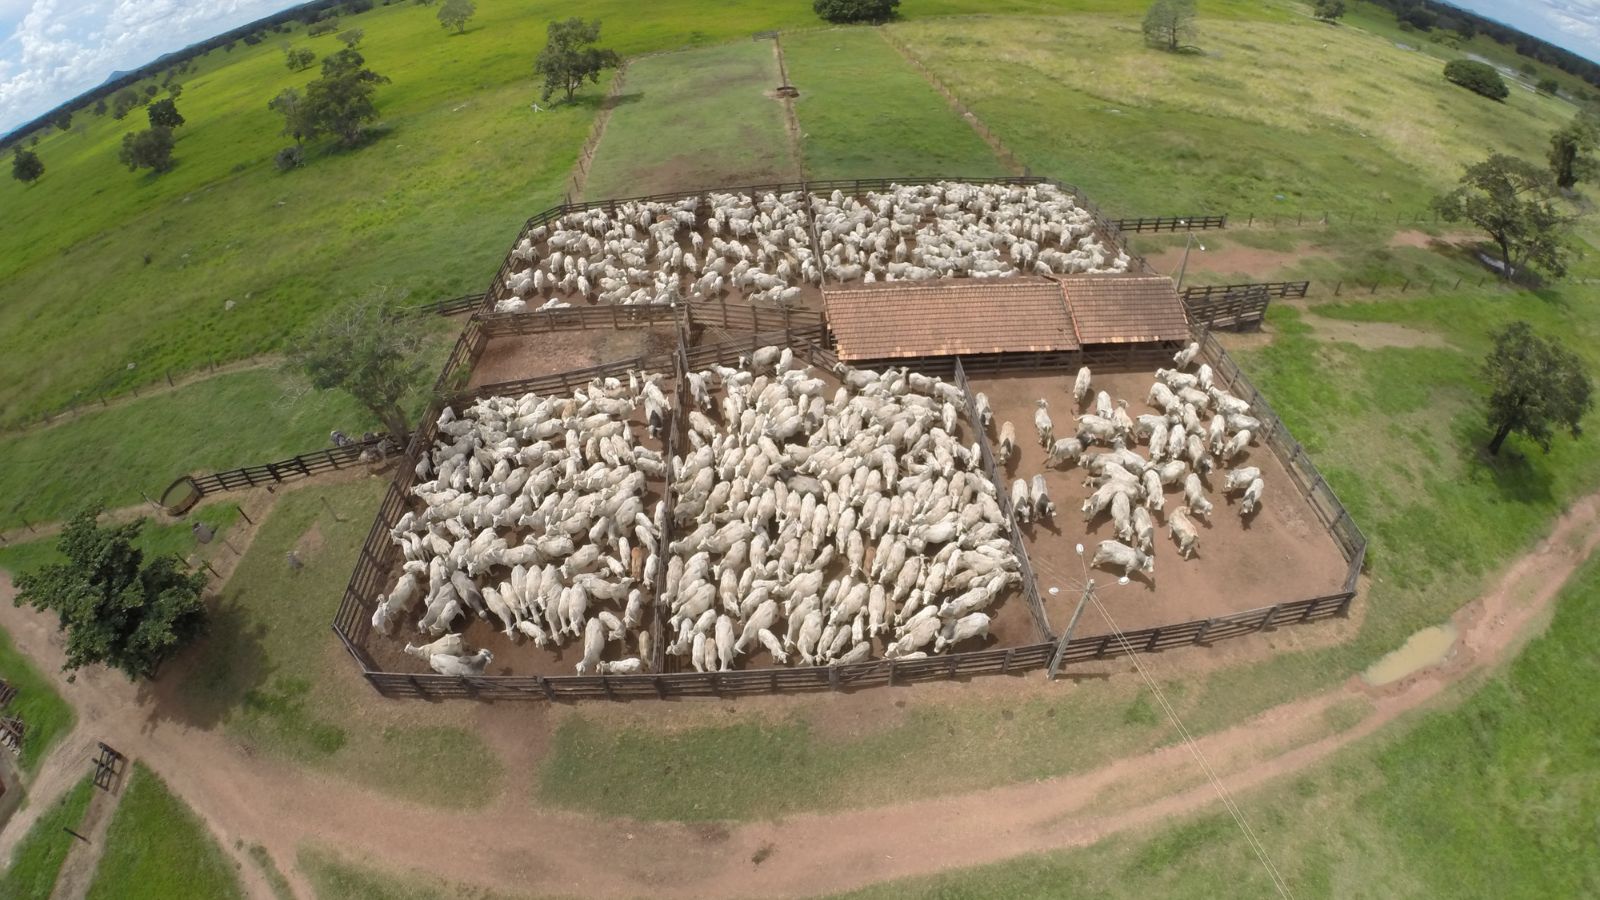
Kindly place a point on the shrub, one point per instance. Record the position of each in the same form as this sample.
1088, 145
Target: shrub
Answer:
1480, 78
841, 11
289, 158
1548, 86
326, 26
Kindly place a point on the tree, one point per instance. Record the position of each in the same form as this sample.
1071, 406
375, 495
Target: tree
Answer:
100, 107
1535, 386
370, 354
297, 122
298, 59
1511, 199
116, 607
164, 114
62, 120
846, 11
1480, 78
25, 165
456, 13
1572, 149
1328, 10
341, 101
350, 37
125, 100
1548, 86
1169, 25
148, 149
174, 90
567, 59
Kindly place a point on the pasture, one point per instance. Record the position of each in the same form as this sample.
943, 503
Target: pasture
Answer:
694, 119
1362, 126
1494, 797
865, 112
113, 454
270, 674
158, 848
36, 862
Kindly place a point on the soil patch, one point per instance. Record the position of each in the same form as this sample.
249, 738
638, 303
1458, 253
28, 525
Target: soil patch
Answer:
1234, 259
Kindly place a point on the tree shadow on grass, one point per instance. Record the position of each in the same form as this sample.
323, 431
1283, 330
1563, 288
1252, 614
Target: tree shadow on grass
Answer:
1516, 477
211, 677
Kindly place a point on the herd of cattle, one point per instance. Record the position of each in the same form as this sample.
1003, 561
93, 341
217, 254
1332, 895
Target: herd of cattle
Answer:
820, 517
764, 247
1182, 446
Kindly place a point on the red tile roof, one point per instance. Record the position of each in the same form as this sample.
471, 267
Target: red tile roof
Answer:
959, 316
1125, 309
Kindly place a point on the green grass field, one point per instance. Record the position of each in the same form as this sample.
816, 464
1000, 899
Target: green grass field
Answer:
1360, 126
1493, 798
866, 113
243, 418
157, 848
274, 676
49, 717
695, 119
155, 539
37, 859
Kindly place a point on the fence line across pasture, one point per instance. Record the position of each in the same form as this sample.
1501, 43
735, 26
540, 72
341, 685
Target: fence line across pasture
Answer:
187, 490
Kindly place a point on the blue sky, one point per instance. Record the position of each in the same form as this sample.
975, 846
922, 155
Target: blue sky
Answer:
52, 50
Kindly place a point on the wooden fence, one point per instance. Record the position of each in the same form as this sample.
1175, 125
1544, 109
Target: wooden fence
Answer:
1172, 223
1030, 584
1273, 288
997, 661
577, 318
187, 490
1303, 473
450, 306
1241, 310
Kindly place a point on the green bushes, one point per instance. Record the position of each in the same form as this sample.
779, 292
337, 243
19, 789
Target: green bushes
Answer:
845, 11
1480, 78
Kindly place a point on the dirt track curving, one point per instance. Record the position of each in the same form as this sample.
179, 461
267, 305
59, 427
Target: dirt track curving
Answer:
518, 848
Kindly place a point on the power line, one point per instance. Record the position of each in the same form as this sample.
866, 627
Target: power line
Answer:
1279, 882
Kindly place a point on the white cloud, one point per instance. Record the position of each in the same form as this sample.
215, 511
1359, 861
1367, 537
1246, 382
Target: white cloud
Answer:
61, 48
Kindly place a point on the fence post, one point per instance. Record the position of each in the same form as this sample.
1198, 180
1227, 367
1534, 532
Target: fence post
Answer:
1336, 288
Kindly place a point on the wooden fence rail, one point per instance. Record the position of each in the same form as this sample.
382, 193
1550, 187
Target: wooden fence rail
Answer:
1242, 310
1172, 223
450, 306
576, 318
995, 661
187, 490
1274, 288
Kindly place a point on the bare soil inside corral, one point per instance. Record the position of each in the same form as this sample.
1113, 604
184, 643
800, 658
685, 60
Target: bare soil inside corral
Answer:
528, 355
1280, 554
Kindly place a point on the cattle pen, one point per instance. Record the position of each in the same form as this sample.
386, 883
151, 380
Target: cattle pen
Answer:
704, 334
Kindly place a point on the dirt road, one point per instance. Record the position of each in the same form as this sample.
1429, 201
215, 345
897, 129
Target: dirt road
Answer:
517, 848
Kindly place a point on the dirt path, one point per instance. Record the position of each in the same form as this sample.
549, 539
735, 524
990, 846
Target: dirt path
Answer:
77, 872
518, 848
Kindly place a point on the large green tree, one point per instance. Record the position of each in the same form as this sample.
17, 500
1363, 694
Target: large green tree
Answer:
297, 121
1328, 10
1572, 149
1513, 201
1169, 24
1480, 78
569, 58
299, 59
148, 149
116, 607
164, 114
1535, 386
456, 13
341, 102
25, 165
369, 353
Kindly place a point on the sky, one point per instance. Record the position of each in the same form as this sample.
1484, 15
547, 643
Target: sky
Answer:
53, 50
